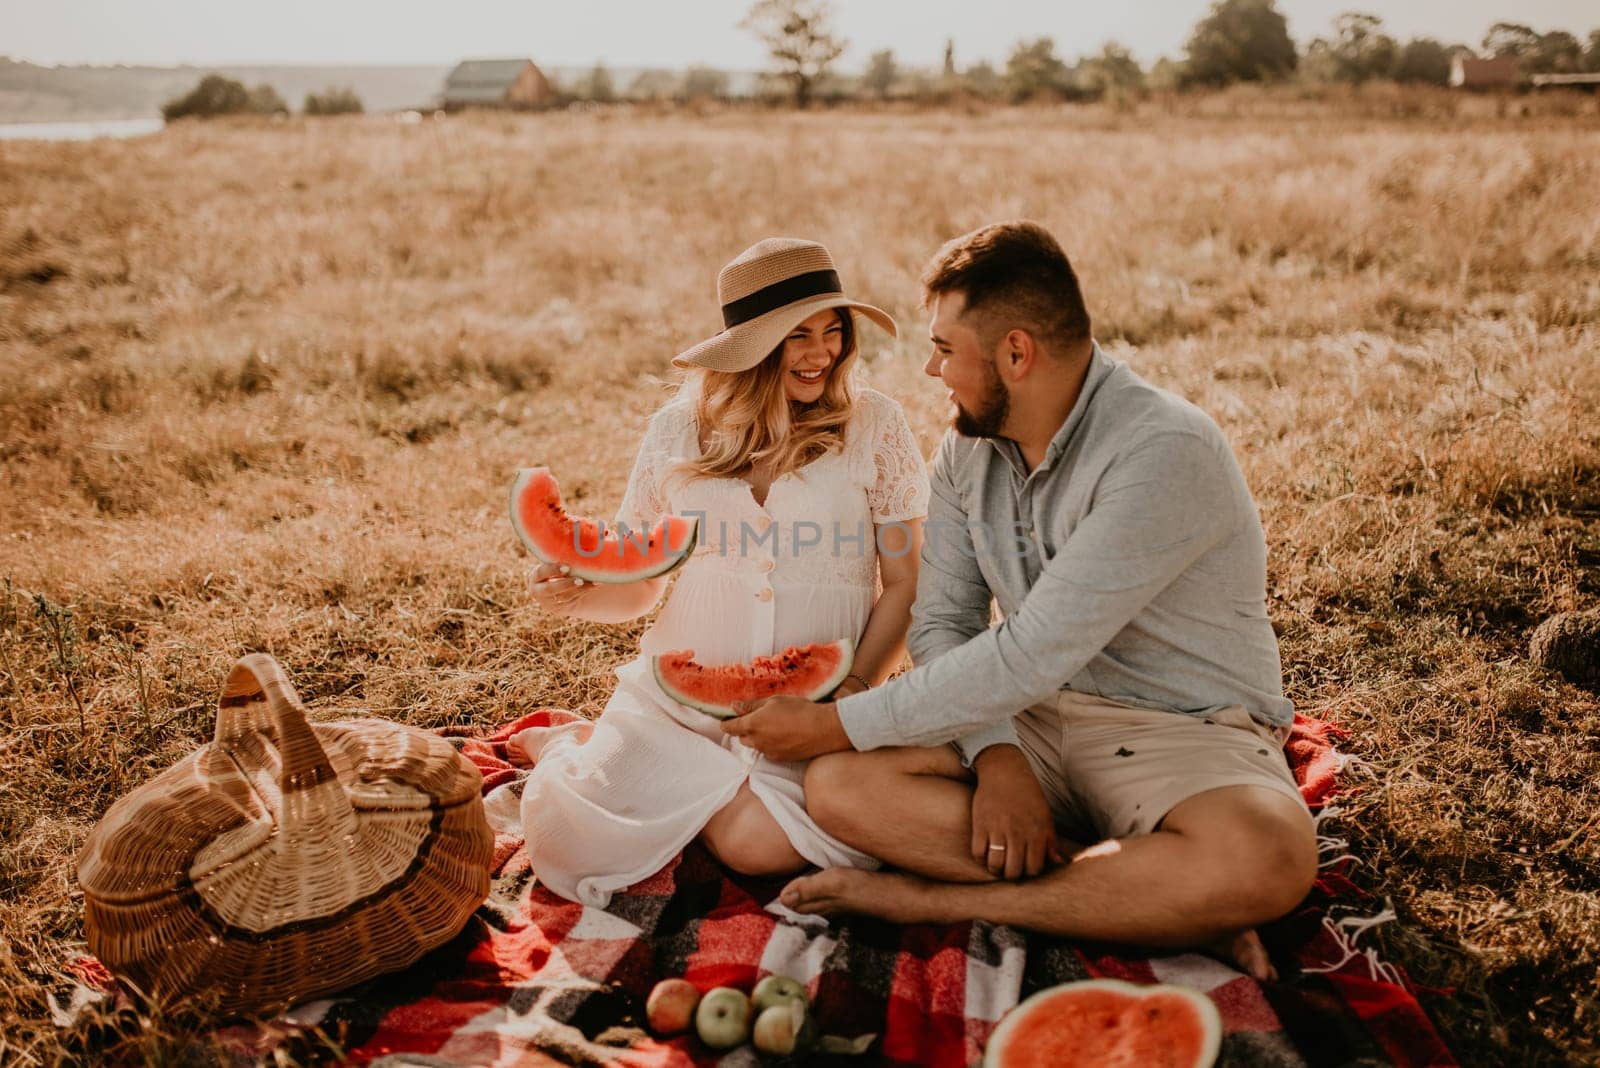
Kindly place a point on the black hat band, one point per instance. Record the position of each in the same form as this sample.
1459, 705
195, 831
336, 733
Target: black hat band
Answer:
778, 295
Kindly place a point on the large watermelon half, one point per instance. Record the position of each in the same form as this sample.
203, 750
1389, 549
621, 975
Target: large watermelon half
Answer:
1108, 1023
587, 548
808, 671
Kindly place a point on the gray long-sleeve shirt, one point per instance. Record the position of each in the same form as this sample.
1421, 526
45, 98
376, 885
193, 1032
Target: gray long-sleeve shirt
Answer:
1129, 564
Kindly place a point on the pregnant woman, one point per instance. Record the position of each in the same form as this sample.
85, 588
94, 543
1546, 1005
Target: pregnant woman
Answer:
811, 493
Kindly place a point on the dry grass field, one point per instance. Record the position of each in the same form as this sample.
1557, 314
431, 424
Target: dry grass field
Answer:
262, 387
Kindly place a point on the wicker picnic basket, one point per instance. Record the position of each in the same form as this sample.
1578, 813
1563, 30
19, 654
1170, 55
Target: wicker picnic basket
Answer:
284, 861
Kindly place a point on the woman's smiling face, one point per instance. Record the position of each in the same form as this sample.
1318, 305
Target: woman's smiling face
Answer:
809, 352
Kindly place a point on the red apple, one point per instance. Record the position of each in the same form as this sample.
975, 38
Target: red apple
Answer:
670, 1007
778, 1027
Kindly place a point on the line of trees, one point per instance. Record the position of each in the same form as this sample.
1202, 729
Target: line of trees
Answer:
217, 95
1237, 41
697, 83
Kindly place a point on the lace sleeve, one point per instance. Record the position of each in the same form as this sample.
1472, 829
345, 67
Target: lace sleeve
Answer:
645, 500
900, 487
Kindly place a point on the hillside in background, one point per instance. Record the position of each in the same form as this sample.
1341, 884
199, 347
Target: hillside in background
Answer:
33, 93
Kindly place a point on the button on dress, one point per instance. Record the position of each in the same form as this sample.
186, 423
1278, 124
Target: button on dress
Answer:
604, 813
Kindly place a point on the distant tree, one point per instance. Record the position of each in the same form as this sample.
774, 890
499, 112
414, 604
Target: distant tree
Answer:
1422, 59
1240, 41
702, 82
1318, 64
981, 79
1510, 39
799, 37
1033, 69
265, 100
597, 87
1591, 54
1358, 52
333, 101
1558, 52
1165, 74
214, 95
949, 72
653, 85
1114, 70
881, 74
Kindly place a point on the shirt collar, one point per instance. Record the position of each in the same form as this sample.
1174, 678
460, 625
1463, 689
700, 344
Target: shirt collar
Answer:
1100, 368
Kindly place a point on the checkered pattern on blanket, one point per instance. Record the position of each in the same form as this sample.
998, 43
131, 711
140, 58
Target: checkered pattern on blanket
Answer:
538, 980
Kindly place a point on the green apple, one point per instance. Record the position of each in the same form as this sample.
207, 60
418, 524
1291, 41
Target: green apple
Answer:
722, 1018
777, 990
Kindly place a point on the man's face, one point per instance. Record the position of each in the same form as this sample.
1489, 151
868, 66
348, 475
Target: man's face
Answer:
960, 360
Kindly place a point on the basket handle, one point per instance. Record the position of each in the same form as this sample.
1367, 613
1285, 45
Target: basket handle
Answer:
259, 699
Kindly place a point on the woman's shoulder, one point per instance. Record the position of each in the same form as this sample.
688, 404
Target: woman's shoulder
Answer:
876, 409
878, 429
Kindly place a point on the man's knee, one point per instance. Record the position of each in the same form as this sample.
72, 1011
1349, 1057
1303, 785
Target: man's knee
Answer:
1278, 850
1261, 844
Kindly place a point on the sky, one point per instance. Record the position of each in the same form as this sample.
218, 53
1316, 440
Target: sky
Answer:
671, 33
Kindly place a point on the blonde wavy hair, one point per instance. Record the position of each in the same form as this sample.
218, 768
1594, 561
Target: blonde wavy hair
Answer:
751, 420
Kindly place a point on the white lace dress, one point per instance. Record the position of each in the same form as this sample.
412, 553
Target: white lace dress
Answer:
603, 814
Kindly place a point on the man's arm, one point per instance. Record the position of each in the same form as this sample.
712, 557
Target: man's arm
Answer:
1155, 512
953, 598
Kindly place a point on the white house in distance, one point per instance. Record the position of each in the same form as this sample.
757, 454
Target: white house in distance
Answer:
503, 83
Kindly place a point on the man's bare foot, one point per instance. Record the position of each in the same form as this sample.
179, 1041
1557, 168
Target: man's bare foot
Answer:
901, 898
887, 895
1246, 952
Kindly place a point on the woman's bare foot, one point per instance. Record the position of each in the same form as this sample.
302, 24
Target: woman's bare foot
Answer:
523, 748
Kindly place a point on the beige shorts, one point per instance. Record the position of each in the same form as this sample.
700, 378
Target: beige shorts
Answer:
1112, 770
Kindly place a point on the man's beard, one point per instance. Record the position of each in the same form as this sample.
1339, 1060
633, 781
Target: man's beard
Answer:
987, 420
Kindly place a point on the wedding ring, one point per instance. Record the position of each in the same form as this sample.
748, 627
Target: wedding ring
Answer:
997, 848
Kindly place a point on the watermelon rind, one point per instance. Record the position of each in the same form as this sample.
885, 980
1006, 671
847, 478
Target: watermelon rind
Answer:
578, 566
844, 647
994, 1055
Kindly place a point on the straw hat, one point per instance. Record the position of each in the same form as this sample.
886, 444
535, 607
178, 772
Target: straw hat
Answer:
765, 292
283, 860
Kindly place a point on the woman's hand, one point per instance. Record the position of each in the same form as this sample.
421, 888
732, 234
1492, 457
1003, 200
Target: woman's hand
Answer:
554, 592
1012, 832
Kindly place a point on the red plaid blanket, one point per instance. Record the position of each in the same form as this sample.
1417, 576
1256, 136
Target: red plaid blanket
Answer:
538, 980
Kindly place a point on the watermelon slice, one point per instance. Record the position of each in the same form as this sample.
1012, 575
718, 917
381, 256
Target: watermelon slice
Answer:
808, 671
586, 547
1109, 1024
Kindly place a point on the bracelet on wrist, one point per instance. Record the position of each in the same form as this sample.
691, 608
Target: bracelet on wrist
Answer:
865, 685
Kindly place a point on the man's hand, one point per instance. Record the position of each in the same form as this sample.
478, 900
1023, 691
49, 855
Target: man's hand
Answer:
1012, 832
788, 728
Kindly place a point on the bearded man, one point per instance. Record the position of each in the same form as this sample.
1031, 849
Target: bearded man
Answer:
1105, 762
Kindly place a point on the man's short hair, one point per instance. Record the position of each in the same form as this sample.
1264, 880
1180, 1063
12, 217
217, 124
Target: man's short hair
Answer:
1013, 274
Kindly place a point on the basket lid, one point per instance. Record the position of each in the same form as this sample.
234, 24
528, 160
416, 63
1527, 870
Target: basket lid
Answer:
276, 822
